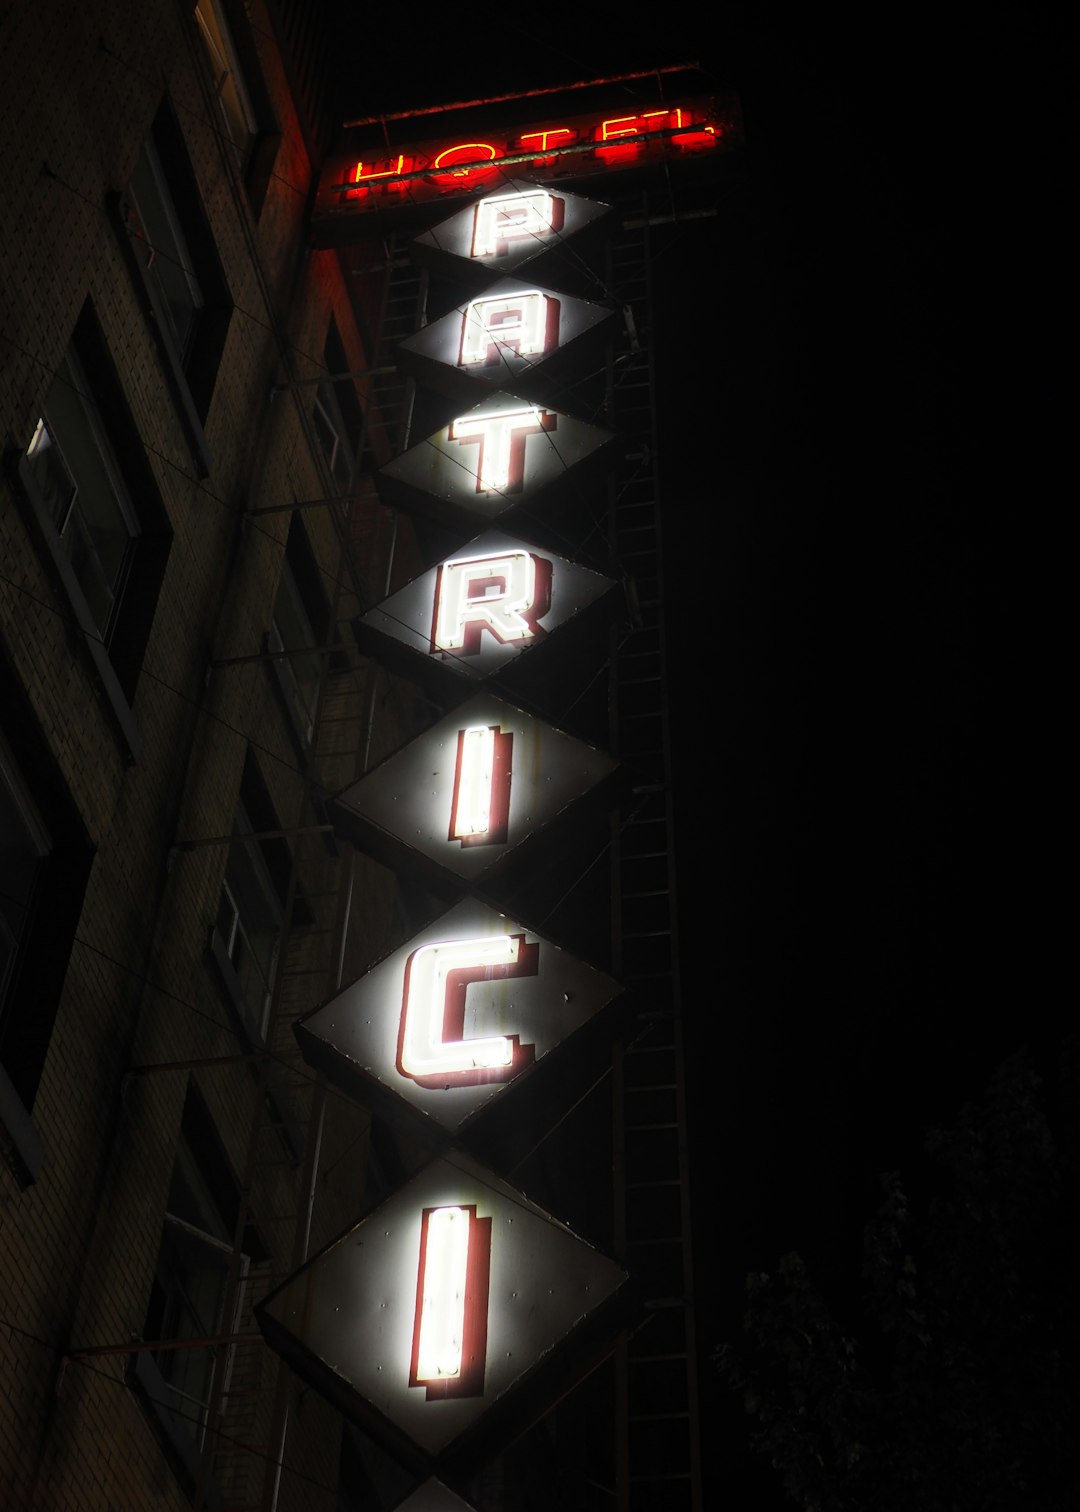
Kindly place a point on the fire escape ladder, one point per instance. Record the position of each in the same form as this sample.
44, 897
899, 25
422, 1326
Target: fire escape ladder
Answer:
658, 1461
403, 312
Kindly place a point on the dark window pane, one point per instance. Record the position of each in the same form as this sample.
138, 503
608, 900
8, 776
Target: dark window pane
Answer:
292, 630
190, 1279
165, 248
249, 922
237, 112
23, 845
71, 462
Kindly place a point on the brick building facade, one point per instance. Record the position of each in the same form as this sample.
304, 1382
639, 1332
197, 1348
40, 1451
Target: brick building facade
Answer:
195, 394
167, 335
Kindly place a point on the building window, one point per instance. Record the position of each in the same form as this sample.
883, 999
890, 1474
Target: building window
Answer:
299, 673
248, 929
246, 937
300, 624
237, 111
246, 116
25, 844
79, 477
165, 250
339, 419
45, 859
176, 261
188, 1296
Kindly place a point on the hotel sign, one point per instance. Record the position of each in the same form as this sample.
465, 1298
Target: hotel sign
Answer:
492, 458
463, 794
478, 611
506, 231
451, 1019
505, 337
376, 179
436, 1305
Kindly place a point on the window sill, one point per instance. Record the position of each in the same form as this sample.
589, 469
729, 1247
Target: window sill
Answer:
23, 1140
103, 668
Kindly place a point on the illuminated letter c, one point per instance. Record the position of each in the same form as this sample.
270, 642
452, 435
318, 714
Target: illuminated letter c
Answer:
432, 1047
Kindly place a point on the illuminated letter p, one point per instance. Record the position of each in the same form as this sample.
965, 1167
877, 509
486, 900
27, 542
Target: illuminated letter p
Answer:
530, 214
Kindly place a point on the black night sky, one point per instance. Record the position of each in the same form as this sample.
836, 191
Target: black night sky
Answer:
855, 894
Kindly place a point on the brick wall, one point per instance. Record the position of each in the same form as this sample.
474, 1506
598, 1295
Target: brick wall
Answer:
78, 1246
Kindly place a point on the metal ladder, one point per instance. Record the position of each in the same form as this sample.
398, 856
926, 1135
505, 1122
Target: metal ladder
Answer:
658, 1459
403, 312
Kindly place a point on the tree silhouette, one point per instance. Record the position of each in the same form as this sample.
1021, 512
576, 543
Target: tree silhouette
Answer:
951, 1383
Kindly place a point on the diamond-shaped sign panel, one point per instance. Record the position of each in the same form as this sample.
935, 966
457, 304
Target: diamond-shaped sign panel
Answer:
481, 609
510, 335
433, 1496
500, 454
520, 224
436, 1305
466, 792
453, 1018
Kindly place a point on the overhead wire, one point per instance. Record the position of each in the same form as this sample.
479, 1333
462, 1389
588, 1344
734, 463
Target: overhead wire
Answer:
73, 1357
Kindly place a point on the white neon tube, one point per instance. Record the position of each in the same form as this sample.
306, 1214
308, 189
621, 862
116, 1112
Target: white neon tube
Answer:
442, 1308
424, 1051
517, 321
495, 434
508, 217
476, 773
500, 610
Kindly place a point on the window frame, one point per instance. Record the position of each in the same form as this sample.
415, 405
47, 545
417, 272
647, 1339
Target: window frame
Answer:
254, 1021
303, 717
203, 1178
73, 374
272, 862
256, 159
334, 396
35, 977
191, 370
115, 653
300, 585
333, 435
